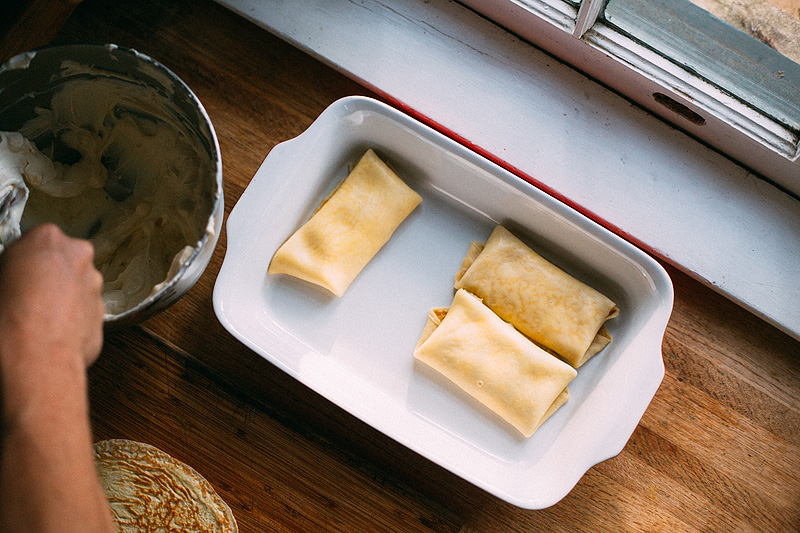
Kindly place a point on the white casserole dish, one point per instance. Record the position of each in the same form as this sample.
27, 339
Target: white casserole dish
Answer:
356, 350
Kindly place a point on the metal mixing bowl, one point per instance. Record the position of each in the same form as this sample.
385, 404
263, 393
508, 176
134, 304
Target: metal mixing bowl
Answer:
28, 81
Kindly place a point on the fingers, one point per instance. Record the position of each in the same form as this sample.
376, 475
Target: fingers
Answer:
83, 252
44, 236
97, 314
78, 252
47, 277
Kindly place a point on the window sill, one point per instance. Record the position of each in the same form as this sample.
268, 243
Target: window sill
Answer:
565, 133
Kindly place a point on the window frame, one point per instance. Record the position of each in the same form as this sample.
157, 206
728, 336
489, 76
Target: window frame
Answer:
580, 38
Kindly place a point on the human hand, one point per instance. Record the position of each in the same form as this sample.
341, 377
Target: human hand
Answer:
51, 329
50, 300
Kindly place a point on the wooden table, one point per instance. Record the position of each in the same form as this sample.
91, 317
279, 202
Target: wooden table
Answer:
717, 450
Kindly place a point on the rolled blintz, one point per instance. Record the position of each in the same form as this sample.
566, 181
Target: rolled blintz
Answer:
494, 363
539, 299
348, 228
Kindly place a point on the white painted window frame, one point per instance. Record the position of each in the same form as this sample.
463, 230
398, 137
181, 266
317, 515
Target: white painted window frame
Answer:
577, 37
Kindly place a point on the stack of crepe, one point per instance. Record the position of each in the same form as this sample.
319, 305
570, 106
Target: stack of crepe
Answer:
150, 491
542, 301
512, 311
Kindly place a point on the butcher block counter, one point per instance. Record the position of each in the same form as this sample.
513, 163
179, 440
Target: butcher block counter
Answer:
718, 448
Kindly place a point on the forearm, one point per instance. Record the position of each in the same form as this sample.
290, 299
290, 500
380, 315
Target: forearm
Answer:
51, 318
48, 481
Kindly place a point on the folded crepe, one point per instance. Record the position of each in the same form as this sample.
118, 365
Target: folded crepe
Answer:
539, 299
494, 363
150, 491
348, 228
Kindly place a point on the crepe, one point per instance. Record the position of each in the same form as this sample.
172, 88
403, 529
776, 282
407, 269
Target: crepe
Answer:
539, 299
149, 491
494, 363
349, 228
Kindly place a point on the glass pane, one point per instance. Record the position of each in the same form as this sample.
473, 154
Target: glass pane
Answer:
739, 54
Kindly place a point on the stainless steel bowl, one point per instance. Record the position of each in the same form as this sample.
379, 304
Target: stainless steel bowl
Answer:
29, 80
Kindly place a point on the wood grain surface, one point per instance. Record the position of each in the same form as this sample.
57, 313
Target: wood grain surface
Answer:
717, 450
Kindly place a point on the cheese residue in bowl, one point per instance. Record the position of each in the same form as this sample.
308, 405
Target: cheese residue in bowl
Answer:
109, 161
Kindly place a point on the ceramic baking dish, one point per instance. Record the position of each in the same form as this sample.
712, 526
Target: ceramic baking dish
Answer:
356, 350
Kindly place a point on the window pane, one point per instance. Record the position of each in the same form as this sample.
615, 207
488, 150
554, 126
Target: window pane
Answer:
720, 51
